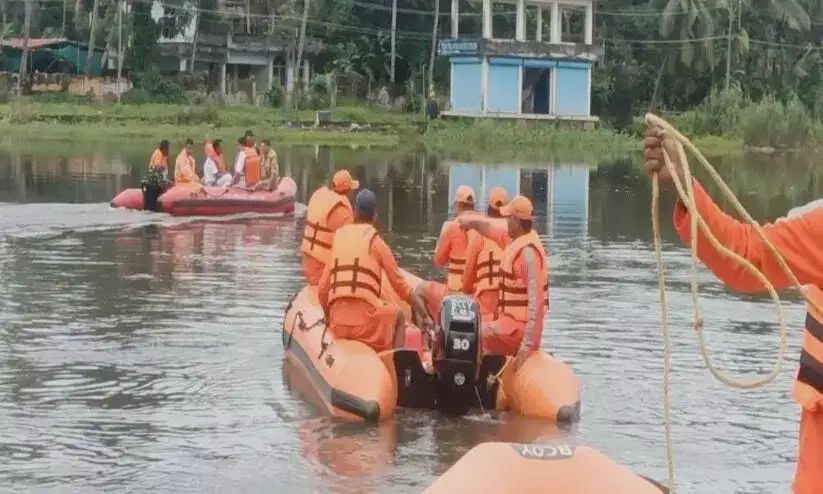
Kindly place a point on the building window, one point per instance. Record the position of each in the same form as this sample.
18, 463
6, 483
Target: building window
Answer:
536, 90
572, 24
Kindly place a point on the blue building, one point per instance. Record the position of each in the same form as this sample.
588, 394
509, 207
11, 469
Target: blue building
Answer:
526, 77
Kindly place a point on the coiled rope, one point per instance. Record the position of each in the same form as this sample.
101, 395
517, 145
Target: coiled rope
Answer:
674, 140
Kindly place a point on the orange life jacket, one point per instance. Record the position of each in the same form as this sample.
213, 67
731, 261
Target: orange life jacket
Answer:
808, 386
251, 166
354, 272
514, 297
457, 261
488, 273
317, 236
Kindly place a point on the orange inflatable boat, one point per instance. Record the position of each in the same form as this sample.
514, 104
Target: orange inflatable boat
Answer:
182, 200
553, 467
353, 382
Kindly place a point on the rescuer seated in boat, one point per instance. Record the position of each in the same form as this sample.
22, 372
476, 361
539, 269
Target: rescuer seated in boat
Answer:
269, 167
247, 163
523, 296
328, 210
451, 246
349, 289
184, 166
482, 275
160, 158
214, 168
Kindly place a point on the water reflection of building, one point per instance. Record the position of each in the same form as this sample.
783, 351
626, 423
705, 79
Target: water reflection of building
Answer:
560, 192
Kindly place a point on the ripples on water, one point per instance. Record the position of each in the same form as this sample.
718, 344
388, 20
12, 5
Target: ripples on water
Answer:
141, 352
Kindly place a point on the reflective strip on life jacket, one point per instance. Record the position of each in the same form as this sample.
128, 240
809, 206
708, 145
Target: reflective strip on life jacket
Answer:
317, 235
808, 386
355, 273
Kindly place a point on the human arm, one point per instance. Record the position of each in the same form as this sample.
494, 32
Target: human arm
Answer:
528, 270
323, 288
795, 239
470, 271
486, 228
381, 251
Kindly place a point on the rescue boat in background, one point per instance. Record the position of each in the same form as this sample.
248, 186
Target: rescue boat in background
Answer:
353, 382
554, 467
180, 200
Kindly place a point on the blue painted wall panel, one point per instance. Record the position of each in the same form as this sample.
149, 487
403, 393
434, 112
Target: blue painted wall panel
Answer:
504, 94
466, 91
572, 89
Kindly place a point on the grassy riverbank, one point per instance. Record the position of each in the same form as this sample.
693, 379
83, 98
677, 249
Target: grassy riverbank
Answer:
352, 126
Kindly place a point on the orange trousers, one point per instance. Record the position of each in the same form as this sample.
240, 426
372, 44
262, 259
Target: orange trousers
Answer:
808, 478
312, 269
361, 321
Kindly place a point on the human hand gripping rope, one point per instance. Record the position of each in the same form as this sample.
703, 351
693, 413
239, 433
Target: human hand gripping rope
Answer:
674, 140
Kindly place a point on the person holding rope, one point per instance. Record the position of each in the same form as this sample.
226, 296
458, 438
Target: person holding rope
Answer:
795, 238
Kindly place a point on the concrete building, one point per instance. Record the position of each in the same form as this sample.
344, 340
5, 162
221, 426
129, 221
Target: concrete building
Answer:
250, 57
543, 72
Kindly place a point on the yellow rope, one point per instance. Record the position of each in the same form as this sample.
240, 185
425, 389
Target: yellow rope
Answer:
675, 140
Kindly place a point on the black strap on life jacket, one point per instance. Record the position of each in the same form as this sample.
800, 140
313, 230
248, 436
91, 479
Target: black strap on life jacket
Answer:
353, 284
312, 240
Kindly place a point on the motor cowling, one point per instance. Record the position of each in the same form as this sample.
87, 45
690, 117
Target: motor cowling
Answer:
459, 354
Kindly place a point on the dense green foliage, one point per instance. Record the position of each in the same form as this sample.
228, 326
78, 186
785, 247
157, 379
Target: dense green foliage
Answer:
747, 68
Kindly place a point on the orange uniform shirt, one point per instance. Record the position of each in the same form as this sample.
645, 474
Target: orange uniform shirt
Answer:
312, 267
158, 160
452, 244
184, 169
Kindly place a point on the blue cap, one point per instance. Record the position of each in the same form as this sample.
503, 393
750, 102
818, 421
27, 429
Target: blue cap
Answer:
365, 204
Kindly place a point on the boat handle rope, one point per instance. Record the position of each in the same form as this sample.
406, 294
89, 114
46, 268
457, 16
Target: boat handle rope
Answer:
301, 325
674, 140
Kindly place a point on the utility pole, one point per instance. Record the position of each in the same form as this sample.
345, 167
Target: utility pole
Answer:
194, 41
302, 41
119, 46
729, 50
92, 24
393, 40
63, 30
434, 45
24, 59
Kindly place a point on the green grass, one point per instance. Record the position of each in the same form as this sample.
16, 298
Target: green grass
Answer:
67, 121
493, 140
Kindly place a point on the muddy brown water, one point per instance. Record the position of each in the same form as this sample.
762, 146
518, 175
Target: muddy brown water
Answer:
142, 352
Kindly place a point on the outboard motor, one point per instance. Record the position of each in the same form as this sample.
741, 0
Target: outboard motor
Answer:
457, 366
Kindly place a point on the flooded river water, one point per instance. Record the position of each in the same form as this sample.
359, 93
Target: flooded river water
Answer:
142, 352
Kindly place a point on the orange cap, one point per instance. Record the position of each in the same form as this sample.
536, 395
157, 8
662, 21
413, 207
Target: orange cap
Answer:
343, 182
464, 194
498, 197
520, 207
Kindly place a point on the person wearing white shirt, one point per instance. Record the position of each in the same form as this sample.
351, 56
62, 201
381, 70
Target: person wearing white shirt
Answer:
211, 170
